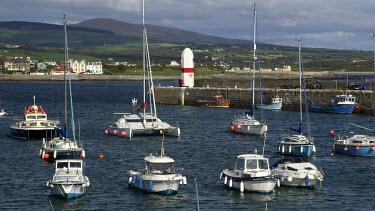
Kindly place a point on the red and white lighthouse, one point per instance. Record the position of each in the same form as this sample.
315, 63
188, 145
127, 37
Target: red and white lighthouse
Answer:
187, 68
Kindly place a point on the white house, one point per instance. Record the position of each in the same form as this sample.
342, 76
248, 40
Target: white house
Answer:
78, 66
94, 67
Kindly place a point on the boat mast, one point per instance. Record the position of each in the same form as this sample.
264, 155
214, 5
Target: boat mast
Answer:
254, 60
65, 82
300, 82
144, 62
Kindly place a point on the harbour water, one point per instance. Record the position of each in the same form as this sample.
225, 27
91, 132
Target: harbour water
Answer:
205, 148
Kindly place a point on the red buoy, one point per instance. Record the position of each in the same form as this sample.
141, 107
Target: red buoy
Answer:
106, 132
239, 126
331, 132
101, 156
123, 133
357, 148
46, 156
356, 107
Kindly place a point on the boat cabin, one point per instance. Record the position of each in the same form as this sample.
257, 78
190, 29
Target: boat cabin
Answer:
159, 165
68, 164
251, 162
344, 99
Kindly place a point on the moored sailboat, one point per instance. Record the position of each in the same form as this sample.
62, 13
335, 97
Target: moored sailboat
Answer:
141, 122
62, 147
247, 123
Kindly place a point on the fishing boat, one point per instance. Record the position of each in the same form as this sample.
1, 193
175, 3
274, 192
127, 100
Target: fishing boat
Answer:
359, 144
298, 145
246, 123
297, 172
159, 175
3, 112
341, 104
250, 174
216, 101
274, 103
35, 125
140, 122
62, 147
68, 181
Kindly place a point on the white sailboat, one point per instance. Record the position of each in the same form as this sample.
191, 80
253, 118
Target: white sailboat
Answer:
247, 123
141, 122
62, 147
298, 145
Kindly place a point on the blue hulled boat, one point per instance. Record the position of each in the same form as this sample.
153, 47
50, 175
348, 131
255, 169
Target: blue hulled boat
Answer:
357, 145
274, 103
341, 104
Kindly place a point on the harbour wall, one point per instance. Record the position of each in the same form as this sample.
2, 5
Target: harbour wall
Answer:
242, 97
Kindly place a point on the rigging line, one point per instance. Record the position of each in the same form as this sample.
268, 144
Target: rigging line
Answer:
305, 99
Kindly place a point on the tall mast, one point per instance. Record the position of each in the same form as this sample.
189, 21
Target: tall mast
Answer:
300, 80
144, 60
65, 82
254, 59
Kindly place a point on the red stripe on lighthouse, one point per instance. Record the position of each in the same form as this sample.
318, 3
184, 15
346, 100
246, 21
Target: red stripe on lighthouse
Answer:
187, 70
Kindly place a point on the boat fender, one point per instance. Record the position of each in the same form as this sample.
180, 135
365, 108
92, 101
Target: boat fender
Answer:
372, 148
134, 178
242, 187
47, 184
307, 180
289, 179
283, 149
130, 180
43, 153
83, 154
230, 182
301, 150
314, 149
279, 149
221, 175
150, 185
54, 154
278, 183
88, 183
184, 181
225, 180
40, 152
140, 184
290, 149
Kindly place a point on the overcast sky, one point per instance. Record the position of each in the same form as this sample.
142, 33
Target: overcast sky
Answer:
340, 24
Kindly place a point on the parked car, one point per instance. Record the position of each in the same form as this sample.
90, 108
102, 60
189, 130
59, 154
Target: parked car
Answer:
357, 87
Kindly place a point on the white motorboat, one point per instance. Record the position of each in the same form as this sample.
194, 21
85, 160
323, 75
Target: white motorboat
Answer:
62, 147
251, 174
35, 124
68, 181
247, 123
159, 176
3, 112
297, 172
299, 145
141, 122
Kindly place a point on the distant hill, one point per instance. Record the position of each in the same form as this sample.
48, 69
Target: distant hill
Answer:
160, 33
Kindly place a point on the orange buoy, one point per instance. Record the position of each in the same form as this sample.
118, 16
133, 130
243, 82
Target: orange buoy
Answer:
46, 156
232, 127
106, 132
123, 133
101, 156
331, 132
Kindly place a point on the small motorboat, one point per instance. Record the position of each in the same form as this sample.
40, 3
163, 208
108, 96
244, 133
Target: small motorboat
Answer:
297, 172
251, 174
3, 112
68, 181
35, 125
274, 103
61, 148
216, 101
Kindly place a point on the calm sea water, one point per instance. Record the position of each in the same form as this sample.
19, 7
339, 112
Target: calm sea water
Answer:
205, 148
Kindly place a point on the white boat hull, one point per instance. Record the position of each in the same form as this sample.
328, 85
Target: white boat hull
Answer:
162, 184
298, 182
251, 129
68, 191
